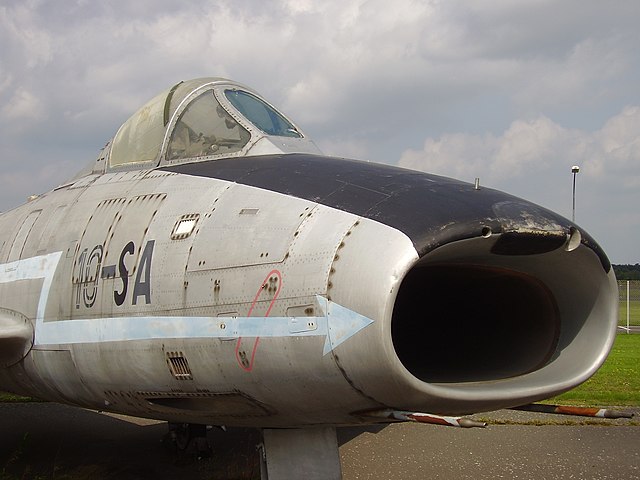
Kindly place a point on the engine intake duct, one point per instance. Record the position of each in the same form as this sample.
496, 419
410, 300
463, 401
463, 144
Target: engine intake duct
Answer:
458, 323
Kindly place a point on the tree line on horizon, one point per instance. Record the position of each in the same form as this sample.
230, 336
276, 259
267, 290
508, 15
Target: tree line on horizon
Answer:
627, 272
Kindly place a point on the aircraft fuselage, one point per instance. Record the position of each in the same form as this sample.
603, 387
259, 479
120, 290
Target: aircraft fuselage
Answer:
230, 276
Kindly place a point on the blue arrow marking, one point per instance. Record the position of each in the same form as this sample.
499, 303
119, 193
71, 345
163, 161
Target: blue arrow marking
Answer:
337, 325
342, 324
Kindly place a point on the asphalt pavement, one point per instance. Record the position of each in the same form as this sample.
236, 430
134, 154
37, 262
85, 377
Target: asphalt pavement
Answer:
46, 440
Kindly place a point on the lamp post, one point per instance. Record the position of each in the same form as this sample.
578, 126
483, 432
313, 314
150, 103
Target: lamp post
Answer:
575, 169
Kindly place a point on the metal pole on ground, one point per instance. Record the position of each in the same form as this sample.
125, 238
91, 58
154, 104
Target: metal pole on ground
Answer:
575, 169
628, 329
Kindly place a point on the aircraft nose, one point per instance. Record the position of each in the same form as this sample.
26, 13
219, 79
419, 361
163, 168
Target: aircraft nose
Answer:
431, 210
504, 302
478, 300
435, 211
518, 309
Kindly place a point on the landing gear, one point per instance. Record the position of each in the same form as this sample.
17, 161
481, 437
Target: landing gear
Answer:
188, 440
309, 453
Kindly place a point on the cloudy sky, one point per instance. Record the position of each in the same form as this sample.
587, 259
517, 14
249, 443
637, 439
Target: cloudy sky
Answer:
512, 92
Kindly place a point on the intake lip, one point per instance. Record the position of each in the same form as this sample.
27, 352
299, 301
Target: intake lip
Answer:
478, 328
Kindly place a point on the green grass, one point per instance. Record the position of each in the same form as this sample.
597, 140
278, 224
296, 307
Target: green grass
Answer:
12, 398
634, 313
634, 304
617, 383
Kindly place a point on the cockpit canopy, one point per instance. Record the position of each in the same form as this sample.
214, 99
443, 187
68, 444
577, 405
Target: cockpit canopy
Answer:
199, 119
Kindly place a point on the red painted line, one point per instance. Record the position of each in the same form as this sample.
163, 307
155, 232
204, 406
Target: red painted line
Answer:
428, 419
277, 273
584, 411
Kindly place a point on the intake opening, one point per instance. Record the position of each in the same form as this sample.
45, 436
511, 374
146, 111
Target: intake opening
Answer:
455, 323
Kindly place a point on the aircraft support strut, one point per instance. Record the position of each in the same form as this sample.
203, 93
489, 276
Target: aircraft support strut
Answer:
309, 453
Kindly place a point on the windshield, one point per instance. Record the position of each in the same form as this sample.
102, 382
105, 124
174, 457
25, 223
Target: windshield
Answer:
204, 129
261, 115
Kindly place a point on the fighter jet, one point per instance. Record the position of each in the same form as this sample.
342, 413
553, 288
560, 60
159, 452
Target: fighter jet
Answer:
212, 267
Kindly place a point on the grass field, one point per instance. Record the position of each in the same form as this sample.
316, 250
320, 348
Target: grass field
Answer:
634, 313
11, 398
616, 383
634, 303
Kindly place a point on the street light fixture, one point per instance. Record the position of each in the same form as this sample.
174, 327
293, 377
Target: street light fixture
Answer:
575, 169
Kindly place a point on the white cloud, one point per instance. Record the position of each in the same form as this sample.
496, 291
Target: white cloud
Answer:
31, 44
532, 159
302, 6
5, 82
23, 105
516, 89
619, 140
349, 147
22, 181
524, 146
535, 146
585, 76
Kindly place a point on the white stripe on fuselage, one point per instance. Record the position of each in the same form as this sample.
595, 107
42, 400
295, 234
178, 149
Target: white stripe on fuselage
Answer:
337, 323
35, 268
